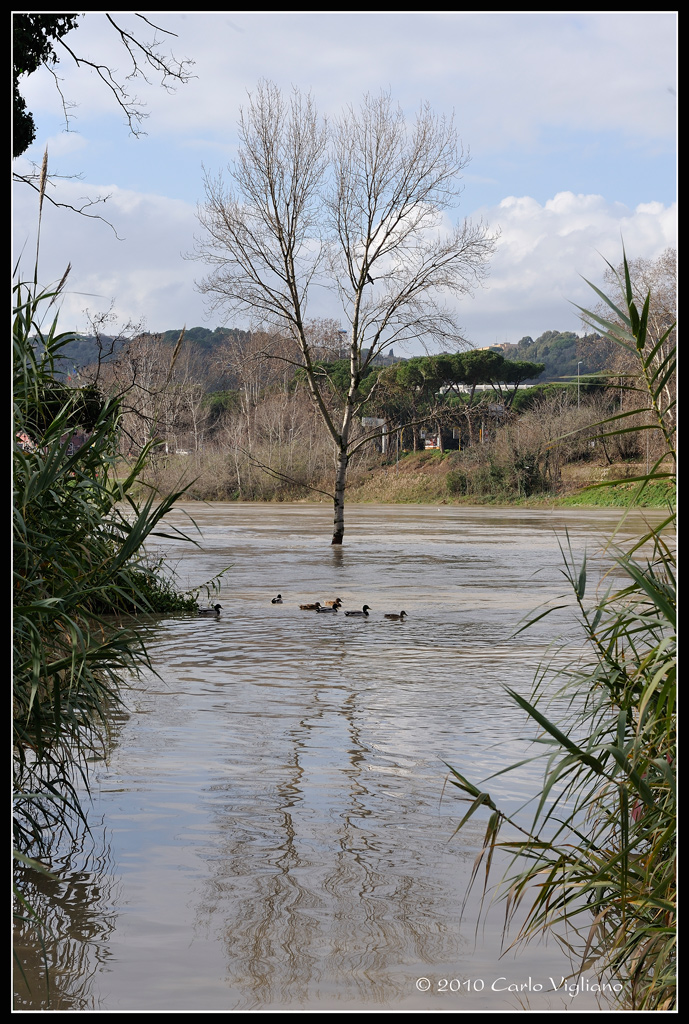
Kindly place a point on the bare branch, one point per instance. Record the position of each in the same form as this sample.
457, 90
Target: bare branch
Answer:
281, 476
144, 57
364, 220
33, 180
171, 70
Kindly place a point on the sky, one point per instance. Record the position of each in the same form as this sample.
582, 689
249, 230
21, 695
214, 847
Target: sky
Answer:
569, 119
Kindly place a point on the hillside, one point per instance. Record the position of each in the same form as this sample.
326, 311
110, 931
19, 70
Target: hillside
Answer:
561, 352
86, 350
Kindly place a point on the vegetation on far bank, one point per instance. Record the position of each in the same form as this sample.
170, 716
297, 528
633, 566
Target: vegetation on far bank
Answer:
447, 478
432, 477
235, 420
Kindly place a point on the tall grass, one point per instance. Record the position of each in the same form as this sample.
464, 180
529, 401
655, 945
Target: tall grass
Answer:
78, 558
598, 858
78, 565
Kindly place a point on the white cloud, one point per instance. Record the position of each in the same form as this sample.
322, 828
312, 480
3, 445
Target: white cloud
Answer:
141, 272
507, 73
543, 253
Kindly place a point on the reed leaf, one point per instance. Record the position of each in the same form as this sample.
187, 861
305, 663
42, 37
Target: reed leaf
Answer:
78, 559
599, 855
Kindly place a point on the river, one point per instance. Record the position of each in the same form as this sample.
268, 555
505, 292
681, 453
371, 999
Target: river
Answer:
271, 828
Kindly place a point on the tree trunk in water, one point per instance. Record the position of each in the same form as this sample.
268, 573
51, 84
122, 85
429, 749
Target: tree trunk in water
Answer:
340, 481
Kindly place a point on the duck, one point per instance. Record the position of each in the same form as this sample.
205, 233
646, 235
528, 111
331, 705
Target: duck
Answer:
210, 613
331, 608
364, 612
277, 600
310, 607
399, 617
334, 604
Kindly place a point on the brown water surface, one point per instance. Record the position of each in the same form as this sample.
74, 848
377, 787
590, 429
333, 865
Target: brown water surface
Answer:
270, 829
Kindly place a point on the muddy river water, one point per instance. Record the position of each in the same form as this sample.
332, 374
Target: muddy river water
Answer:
271, 828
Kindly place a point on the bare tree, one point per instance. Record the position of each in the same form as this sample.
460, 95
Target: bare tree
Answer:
161, 390
252, 364
356, 207
327, 339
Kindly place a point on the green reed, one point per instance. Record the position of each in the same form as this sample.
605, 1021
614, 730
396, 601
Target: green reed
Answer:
596, 865
78, 558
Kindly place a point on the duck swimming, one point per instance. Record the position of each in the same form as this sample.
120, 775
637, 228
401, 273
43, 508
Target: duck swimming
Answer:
364, 612
334, 604
332, 608
399, 617
310, 607
210, 613
277, 600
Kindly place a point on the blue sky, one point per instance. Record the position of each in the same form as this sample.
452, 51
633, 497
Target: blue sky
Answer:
569, 117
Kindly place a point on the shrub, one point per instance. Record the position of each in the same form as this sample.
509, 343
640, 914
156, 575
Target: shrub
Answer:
457, 482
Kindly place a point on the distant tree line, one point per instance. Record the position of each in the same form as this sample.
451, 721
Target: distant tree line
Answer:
237, 403
561, 353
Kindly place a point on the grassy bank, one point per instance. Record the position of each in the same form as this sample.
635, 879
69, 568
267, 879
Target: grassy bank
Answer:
434, 478
429, 477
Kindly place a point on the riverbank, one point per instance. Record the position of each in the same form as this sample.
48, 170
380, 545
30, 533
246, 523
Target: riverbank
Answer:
440, 478
428, 478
